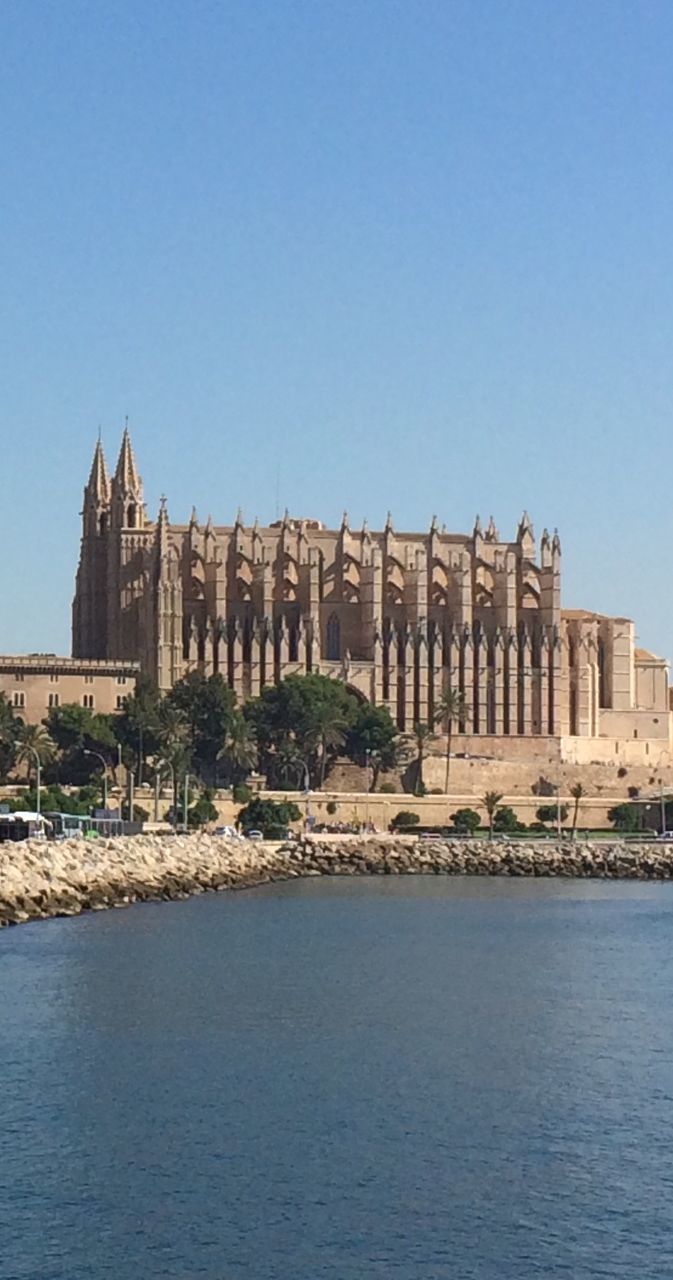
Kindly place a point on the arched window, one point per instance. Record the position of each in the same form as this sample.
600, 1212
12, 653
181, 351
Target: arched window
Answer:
102, 523
333, 638
131, 518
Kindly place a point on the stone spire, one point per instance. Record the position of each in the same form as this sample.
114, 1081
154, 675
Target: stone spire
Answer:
126, 474
98, 486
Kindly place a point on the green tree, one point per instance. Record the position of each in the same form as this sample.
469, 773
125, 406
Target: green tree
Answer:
418, 743
405, 818
466, 821
312, 714
208, 707
268, 816
451, 709
577, 792
626, 817
203, 811
137, 725
491, 803
551, 813
9, 729
174, 750
33, 740
74, 730
506, 821
373, 737
239, 750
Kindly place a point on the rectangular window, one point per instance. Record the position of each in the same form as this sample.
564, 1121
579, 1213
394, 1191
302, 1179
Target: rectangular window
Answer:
18, 676
53, 700
88, 679
87, 701
121, 679
19, 698
54, 678
120, 701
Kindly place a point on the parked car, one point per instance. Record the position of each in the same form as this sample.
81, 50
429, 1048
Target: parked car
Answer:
665, 835
230, 832
255, 835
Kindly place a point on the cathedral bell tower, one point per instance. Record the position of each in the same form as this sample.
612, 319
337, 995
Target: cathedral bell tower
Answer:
89, 630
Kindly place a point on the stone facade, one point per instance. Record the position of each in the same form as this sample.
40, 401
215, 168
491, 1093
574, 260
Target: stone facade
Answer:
399, 616
38, 682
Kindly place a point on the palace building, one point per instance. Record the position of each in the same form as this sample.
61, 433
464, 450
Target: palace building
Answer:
399, 616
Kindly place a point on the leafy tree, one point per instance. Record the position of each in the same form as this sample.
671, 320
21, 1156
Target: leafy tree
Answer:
208, 708
239, 750
506, 821
374, 737
203, 811
33, 740
268, 816
626, 817
137, 725
53, 799
577, 792
74, 730
466, 820
418, 743
9, 730
174, 752
552, 813
300, 725
491, 803
451, 709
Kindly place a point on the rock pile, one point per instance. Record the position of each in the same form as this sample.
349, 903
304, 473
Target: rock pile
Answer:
38, 880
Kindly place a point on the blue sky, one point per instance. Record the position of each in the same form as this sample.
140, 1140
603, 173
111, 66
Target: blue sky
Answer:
360, 254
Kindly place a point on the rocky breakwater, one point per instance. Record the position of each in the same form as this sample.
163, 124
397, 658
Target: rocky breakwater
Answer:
39, 880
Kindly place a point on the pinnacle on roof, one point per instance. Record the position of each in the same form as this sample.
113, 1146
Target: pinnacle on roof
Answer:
492, 534
126, 473
99, 482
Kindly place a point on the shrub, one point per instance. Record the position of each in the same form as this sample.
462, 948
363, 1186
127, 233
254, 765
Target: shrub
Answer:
626, 817
435, 791
622, 772
268, 815
633, 792
506, 820
242, 793
549, 813
405, 819
203, 811
331, 806
387, 789
466, 820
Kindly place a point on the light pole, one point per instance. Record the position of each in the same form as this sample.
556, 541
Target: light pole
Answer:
103, 761
307, 792
367, 758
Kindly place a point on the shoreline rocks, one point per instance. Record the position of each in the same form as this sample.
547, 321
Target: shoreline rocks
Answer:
41, 880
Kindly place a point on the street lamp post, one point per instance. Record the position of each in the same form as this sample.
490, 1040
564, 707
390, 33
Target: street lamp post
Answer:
103, 761
367, 758
307, 792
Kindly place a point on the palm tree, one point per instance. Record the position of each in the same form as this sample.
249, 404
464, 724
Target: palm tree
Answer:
32, 740
577, 792
239, 748
450, 707
419, 742
327, 732
491, 803
174, 754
